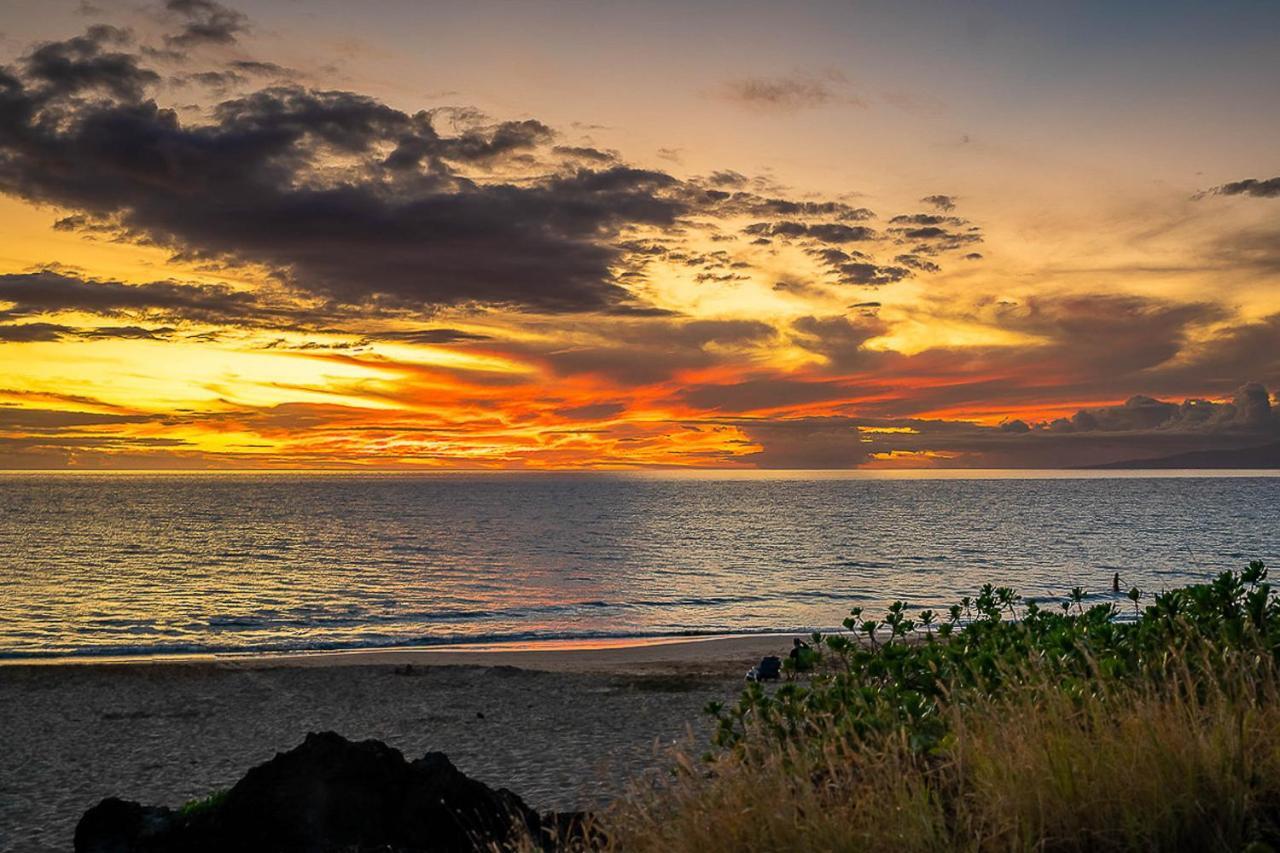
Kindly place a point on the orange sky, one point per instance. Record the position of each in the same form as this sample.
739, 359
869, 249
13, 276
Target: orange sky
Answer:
275, 236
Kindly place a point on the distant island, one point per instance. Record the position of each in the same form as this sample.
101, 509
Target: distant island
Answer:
1266, 456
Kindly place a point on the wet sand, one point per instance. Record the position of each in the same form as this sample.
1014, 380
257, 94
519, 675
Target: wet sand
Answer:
564, 727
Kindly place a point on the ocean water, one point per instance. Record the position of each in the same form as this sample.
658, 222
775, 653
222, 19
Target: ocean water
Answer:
99, 564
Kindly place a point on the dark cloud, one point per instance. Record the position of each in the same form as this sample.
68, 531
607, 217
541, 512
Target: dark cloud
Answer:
1142, 427
50, 292
354, 203
85, 63
253, 187
806, 443
926, 219
205, 22
840, 339
916, 262
585, 154
933, 239
750, 395
212, 79
137, 333
728, 178
33, 332
868, 274
362, 208
592, 411
932, 234
752, 204
944, 203
823, 232
1267, 188
16, 418
1250, 410
25, 333
259, 68
427, 336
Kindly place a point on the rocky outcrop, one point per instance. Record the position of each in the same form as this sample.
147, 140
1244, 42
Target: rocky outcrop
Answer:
331, 794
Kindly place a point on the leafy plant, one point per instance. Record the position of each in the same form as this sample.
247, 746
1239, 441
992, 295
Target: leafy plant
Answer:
880, 676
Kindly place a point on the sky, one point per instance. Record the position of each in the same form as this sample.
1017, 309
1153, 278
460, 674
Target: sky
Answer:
398, 235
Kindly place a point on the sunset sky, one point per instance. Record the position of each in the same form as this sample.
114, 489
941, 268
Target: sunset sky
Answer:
630, 235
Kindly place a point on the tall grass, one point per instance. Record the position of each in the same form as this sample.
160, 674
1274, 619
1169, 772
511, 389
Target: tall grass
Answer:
1168, 767
1062, 731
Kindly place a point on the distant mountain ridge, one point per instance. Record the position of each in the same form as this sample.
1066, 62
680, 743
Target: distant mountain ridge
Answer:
1266, 456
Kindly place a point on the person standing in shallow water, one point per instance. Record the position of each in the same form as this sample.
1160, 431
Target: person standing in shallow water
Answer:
1115, 583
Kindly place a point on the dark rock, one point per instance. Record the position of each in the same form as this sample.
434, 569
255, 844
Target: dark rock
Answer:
119, 826
330, 794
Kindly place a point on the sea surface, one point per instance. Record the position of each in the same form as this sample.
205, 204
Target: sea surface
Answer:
111, 564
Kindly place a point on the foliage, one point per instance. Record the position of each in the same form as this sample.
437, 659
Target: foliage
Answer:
895, 674
201, 805
1000, 727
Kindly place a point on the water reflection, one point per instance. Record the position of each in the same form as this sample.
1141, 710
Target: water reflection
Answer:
110, 563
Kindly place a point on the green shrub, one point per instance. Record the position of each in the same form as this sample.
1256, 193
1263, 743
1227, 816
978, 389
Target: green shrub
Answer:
1000, 727
895, 674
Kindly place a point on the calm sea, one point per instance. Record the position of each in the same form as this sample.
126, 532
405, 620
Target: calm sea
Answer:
94, 564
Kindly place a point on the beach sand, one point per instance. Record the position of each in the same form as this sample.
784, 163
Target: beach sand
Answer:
563, 726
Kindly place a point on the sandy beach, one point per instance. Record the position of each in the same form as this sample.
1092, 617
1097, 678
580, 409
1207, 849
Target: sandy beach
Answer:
562, 725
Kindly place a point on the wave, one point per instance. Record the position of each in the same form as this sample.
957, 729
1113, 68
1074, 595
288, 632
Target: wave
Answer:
287, 647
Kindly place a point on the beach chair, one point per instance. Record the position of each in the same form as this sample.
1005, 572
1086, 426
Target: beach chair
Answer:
769, 669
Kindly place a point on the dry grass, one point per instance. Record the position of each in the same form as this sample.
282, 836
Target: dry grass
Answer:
1139, 768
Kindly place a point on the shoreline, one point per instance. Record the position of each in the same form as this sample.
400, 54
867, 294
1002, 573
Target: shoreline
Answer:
607, 654
566, 726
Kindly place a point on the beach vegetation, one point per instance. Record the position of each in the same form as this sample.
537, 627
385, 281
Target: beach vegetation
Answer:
1007, 725
202, 805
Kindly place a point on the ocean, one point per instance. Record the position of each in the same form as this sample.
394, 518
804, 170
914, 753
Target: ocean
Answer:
144, 564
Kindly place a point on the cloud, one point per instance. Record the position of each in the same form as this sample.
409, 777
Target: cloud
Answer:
840, 340
823, 232
426, 336
644, 351
49, 291
487, 214
806, 443
260, 68
592, 411
945, 203
1268, 188
857, 269
205, 23
787, 94
81, 64
32, 332
1249, 410
25, 333
916, 262
15, 418
252, 187
1139, 428
753, 395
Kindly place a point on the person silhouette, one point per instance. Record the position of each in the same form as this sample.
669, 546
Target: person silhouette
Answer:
1115, 583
